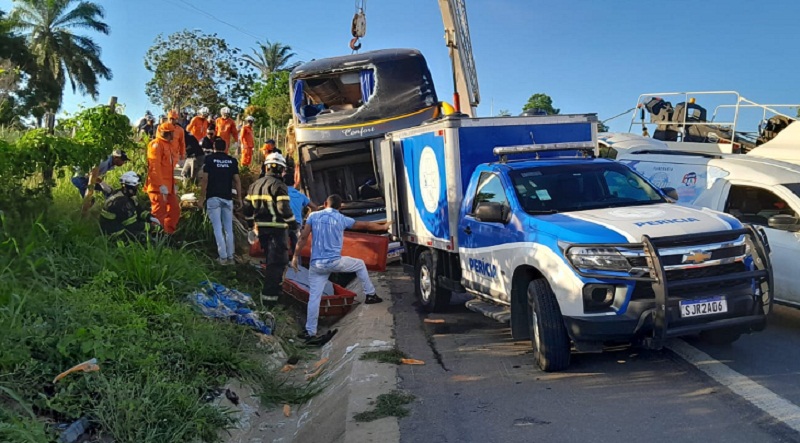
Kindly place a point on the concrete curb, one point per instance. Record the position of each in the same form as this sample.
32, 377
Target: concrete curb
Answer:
353, 384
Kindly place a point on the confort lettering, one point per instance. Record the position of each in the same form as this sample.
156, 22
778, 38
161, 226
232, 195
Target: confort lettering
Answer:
483, 268
357, 131
667, 221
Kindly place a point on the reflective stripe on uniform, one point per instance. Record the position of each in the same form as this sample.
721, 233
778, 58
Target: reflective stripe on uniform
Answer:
254, 198
129, 221
107, 215
271, 225
283, 198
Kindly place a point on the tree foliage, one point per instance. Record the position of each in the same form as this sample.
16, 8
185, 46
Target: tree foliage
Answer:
58, 52
36, 153
541, 101
191, 69
271, 97
271, 57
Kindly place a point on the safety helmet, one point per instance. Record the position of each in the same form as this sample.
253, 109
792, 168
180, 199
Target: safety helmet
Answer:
173, 114
204, 111
129, 178
225, 111
250, 118
275, 159
166, 127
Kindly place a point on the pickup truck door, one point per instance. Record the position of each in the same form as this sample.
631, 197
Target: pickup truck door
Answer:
754, 203
480, 242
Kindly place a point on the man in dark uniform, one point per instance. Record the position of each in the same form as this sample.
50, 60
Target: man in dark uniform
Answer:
121, 212
267, 207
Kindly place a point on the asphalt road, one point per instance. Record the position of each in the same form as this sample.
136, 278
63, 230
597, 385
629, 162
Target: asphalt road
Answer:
480, 386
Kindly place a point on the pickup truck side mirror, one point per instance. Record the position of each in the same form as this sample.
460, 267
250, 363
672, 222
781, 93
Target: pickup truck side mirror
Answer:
784, 223
671, 193
491, 212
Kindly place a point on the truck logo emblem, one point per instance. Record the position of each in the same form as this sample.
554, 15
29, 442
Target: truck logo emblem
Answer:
696, 257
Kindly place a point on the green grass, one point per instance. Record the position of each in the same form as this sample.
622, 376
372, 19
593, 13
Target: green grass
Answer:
69, 294
390, 356
387, 405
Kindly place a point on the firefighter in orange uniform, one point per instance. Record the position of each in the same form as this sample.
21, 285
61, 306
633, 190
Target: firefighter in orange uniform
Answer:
178, 137
199, 124
160, 185
246, 141
226, 129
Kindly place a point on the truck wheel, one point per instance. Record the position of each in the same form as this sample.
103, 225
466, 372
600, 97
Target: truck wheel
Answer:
723, 336
551, 344
433, 297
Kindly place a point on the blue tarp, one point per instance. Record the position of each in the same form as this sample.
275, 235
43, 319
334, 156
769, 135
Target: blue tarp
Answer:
217, 301
367, 84
298, 100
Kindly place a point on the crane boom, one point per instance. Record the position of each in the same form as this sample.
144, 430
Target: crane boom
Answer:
457, 39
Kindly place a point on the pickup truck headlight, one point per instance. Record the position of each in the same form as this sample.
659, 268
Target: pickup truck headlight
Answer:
598, 258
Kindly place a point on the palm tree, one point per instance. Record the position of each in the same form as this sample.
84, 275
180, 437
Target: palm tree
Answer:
58, 52
271, 57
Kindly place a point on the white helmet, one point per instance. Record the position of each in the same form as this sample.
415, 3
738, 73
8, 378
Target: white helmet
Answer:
203, 111
225, 111
275, 159
250, 118
129, 178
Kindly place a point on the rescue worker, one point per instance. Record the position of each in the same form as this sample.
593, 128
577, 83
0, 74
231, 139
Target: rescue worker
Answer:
178, 136
149, 127
199, 124
266, 150
246, 140
225, 127
267, 208
121, 212
160, 185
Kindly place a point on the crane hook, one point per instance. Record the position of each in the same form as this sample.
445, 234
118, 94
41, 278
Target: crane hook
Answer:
355, 45
359, 26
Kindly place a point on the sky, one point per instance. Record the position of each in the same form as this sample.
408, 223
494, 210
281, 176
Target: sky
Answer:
590, 56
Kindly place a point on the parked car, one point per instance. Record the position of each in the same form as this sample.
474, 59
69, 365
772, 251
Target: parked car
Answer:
758, 191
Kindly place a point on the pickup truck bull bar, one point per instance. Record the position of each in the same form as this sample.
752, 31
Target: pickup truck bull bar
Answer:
757, 244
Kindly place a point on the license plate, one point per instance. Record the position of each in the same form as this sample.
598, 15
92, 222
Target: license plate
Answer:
706, 306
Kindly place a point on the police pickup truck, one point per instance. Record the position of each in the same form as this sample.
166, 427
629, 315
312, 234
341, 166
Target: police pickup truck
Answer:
583, 251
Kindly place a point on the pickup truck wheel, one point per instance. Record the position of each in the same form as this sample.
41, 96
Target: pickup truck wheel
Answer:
721, 336
551, 344
432, 297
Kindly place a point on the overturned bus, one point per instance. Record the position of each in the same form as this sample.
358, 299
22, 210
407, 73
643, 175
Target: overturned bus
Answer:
342, 107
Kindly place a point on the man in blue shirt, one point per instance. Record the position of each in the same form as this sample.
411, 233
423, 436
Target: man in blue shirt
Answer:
298, 201
95, 176
327, 227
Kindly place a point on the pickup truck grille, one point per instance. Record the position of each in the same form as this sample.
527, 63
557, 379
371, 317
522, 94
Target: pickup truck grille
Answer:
676, 260
645, 290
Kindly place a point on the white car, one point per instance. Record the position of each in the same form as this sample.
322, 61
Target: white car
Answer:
758, 191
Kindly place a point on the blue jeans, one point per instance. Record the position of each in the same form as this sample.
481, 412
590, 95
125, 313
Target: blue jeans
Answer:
220, 212
82, 183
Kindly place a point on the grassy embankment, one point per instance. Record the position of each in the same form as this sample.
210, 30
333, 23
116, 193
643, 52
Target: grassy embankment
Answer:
68, 294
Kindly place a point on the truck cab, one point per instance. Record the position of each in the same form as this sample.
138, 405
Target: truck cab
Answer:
582, 251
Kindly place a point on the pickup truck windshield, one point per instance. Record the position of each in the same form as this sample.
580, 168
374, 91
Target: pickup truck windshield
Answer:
580, 187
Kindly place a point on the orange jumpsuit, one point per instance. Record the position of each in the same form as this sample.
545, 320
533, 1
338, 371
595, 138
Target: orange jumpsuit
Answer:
160, 172
247, 143
226, 129
198, 127
179, 143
